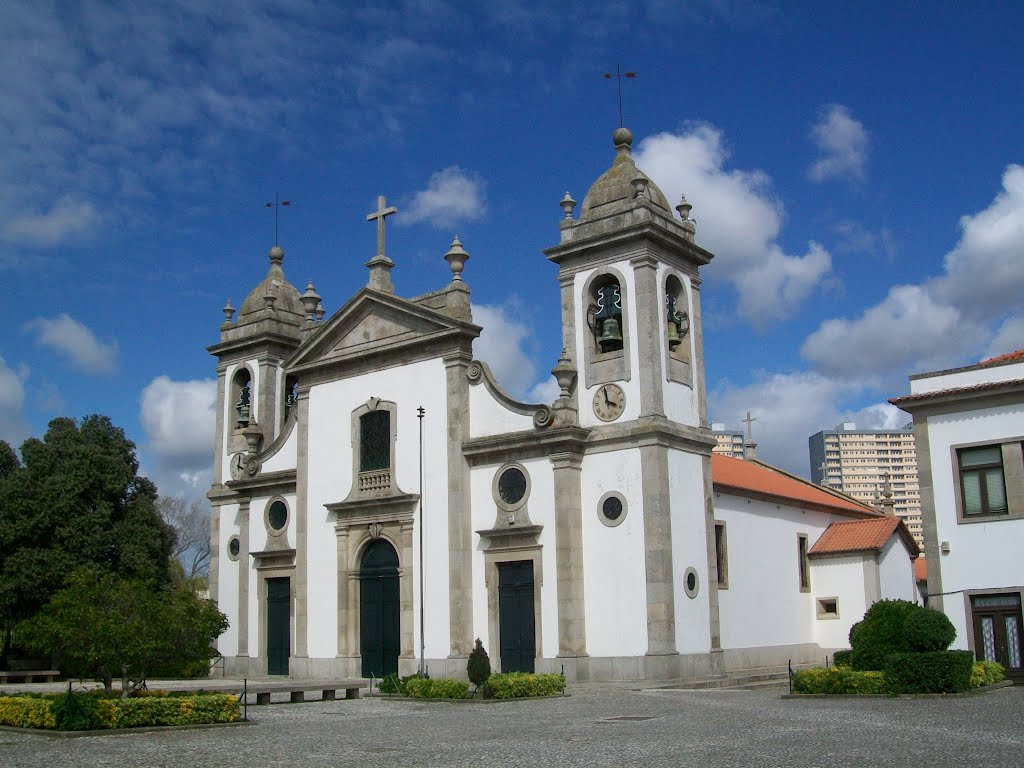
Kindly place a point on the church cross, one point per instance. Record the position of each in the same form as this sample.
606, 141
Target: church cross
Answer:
379, 215
618, 77
276, 205
749, 421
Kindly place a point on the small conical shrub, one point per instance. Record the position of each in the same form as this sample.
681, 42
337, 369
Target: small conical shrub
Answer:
479, 665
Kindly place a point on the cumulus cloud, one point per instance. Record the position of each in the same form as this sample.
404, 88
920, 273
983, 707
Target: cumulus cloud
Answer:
179, 418
843, 143
949, 318
76, 342
738, 218
452, 196
67, 220
13, 427
506, 345
1009, 338
790, 407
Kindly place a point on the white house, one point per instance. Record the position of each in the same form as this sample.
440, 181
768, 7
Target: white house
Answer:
380, 501
969, 426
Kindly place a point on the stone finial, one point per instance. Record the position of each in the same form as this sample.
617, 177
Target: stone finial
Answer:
456, 258
568, 205
320, 312
229, 312
640, 186
623, 138
310, 299
564, 373
269, 300
684, 208
276, 255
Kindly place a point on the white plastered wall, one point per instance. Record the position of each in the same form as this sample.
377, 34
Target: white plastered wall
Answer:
490, 417
614, 567
680, 399
330, 480
227, 580
689, 550
285, 458
896, 572
841, 578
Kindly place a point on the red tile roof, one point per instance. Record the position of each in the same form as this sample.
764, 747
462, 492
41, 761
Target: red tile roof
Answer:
1007, 358
759, 480
989, 386
852, 536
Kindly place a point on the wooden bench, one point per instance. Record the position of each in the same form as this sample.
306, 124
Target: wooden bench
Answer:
328, 690
30, 676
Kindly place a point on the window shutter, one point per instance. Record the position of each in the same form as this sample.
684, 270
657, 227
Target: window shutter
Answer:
972, 493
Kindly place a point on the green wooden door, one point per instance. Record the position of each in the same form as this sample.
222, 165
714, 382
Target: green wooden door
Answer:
516, 625
278, 625
379, 633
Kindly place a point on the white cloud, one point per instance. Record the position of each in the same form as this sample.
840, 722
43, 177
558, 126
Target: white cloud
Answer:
13, 427
738, 219
67, 220
948, 318
503, 345
843, 142
452, 196
76, 342
790, 407
1009, 338
179, 418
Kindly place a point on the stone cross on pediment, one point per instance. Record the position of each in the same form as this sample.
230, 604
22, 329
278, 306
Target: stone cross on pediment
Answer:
382, 211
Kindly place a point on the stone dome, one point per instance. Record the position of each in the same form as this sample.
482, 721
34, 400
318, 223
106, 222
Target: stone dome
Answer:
616, 184
273, 284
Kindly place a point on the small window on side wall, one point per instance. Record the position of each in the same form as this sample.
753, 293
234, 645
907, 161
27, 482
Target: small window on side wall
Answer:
828, 608
982, 484
721, 556
803, 563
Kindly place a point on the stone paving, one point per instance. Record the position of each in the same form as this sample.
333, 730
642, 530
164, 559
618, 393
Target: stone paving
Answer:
710, 729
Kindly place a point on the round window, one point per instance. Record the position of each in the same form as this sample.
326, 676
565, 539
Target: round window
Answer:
234, 547
691, 584
277, 516
611, 509
512, 485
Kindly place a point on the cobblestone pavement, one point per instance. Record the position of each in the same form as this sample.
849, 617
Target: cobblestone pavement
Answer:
669, 728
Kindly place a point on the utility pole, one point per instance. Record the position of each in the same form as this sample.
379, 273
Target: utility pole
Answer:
420, 412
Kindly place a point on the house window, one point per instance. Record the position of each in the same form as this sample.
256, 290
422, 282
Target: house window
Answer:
828, 608
721, 556
804, 565
374, 441
982, 485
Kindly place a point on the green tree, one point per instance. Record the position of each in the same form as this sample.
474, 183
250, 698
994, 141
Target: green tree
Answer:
103, 627
478, 666
75, 499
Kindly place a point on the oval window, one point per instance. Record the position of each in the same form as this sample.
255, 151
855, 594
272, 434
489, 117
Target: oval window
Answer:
612, 508
234, 547
277, 516
512, 485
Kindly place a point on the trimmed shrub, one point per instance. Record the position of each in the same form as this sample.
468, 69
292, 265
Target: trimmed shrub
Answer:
517, 685
94, 711
843, 658
443, 688
986, 673
838, 679
928, 630
478, 668
932, 672
880, 633
392, 683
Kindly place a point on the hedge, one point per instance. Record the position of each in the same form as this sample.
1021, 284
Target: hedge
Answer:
838, 679
95, 711
442, 688
517, 685
932, 672
986, 673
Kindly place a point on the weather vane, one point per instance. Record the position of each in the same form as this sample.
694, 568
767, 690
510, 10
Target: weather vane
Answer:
618, 78
276, 205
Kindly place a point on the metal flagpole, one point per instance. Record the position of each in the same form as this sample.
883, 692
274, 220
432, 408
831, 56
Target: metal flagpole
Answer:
420, 413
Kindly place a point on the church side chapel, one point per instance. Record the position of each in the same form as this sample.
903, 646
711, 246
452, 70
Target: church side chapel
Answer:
595, 535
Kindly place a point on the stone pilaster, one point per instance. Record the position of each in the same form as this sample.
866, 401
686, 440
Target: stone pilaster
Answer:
268, 399
218, 453
649, 334
341, 533
572, 630
697, 371
244, 574
714, 620
566, 285
213, 579
661, 622
460, 525
301, 524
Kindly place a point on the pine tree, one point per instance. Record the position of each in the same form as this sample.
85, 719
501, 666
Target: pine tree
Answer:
479, 665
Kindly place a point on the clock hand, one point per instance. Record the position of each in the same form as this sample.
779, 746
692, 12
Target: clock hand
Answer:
604, 391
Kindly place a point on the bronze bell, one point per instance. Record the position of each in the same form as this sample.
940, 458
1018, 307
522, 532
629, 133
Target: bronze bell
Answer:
673, 334
611, 335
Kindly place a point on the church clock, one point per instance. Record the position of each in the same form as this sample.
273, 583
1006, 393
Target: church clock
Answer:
609, 402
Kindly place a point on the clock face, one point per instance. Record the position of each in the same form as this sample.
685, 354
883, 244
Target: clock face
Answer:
238, 466
609, 402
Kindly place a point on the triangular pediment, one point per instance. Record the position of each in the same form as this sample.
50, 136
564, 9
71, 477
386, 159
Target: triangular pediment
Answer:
370, 323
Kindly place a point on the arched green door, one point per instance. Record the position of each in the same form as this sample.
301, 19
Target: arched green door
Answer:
379, 634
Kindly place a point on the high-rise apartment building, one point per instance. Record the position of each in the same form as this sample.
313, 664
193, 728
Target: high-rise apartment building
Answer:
858, 462
727, 443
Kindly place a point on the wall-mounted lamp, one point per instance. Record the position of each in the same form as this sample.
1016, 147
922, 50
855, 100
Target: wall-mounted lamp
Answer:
944, 547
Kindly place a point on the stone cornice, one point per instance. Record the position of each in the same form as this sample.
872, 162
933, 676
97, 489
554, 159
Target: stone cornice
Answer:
651, 431
266, 484
677, 247
261, 342
373, 509
497, 449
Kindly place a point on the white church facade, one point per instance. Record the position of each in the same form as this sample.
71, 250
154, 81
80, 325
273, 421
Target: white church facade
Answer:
379, 500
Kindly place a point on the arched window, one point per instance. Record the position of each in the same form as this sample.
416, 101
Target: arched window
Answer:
291, 394
605, 313
677, 319
374, 441
241, 389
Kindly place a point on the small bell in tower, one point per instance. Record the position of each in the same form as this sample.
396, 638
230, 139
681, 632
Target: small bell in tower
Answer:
611, 334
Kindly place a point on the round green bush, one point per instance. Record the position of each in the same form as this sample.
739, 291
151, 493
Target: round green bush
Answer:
881, 633
928, 630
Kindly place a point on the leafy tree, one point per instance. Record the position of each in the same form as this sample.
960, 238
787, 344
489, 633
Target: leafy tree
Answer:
75, 499
102, 627
191, 523
478, 667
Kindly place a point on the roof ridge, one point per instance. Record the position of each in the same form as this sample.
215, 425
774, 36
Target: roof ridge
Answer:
815, 486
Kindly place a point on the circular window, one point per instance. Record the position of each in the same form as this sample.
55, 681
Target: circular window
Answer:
277, 516
611, 509
234, 547
691, 583
511, 487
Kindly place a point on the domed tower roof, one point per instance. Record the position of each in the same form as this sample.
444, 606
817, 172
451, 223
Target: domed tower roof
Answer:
615, 188
274, 284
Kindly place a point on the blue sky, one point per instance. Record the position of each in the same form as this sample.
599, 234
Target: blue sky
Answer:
856, 168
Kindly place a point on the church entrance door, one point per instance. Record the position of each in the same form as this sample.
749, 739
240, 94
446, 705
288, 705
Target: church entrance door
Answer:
516, 625
278, 625
379, 633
